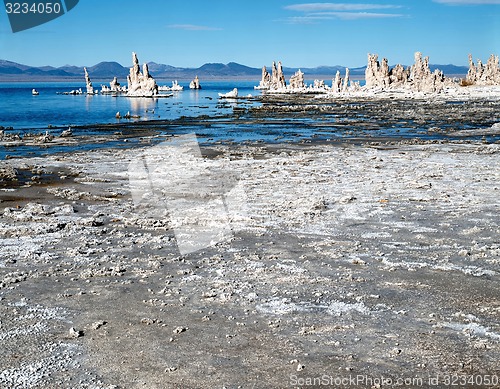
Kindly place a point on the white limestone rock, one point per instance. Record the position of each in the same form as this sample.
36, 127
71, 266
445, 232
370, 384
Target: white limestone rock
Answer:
90, 88
277, 77
420, 72
418, 77
195, 84
176, 87
74, 333
297, 80
275, 83
114, 85
376, 74
140, 84
265, 81
379, 75
480, 74
319, 84
346, 80
337, 83
421, 78
229, 95
398, 75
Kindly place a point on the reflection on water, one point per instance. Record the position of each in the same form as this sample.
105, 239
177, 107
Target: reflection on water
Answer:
195, 95
21, 110
141, 105
322, 121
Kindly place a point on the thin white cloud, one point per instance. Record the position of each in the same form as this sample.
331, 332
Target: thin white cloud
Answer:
316, 12
467, 2
193, 27
309, 19
315, 7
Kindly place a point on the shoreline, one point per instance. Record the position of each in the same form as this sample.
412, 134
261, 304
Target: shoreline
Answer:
286, 118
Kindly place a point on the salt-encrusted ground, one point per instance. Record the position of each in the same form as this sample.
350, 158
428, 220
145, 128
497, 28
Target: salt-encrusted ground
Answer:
371, 260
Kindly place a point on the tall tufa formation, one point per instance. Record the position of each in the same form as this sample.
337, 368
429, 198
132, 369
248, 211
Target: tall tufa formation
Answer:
340, 84
140, 84
419, 71
377, 75
274, 81
421, 78
480, 74
297, 80
265, 81
277, 77
90, 88
115, 85
418, 77
346, 80
337, 82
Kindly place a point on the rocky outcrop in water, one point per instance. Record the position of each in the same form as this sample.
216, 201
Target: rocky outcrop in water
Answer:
140, 84
481, 74
337, 82
115, 85
195, 84
340, 84
90, 88
319, 84
346, 80
417, 77
277, 77
276, 83
265, 80
276, 80
297, 80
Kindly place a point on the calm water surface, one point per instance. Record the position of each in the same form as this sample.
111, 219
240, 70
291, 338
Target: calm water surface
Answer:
23, 111
53, 111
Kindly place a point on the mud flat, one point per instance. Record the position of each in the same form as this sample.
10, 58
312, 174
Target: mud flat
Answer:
378, 260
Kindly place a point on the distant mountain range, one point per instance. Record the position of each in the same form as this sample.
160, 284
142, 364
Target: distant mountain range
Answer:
11, 71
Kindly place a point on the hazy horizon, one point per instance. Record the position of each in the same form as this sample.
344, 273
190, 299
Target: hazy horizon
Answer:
268, 65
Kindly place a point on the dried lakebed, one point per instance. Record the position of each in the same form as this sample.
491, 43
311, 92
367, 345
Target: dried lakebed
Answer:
344, 260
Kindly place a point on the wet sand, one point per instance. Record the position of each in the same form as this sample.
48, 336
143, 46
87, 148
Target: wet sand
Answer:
376, 259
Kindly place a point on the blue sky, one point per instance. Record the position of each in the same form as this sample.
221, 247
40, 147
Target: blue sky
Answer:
189, 33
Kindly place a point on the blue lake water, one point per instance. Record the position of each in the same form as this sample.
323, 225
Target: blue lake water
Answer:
53, 111
23, 111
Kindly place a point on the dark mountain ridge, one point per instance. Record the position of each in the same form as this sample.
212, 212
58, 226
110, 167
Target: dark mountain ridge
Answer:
11, 71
